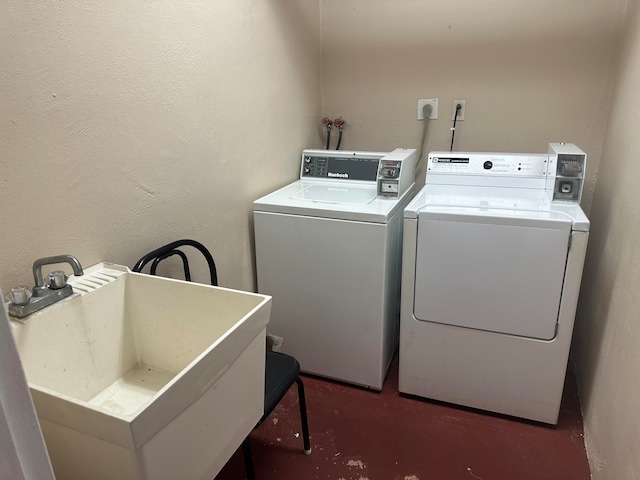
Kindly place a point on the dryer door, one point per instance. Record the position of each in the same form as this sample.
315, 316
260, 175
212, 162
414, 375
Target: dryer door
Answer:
494, 273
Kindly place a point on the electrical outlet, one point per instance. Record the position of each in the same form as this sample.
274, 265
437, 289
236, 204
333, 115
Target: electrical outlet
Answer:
463, 110
434, 108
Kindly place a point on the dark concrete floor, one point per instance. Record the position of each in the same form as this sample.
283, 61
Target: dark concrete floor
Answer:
364, 435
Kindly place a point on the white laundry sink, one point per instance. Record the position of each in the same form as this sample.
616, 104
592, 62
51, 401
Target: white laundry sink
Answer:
143, 377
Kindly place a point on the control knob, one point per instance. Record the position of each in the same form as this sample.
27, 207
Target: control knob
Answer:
57, 279
20, 295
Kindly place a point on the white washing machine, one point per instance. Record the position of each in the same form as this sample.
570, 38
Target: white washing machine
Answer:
328, 249
494, 246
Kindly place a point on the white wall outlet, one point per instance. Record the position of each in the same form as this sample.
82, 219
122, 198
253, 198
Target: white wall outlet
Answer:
434, 108
463, 110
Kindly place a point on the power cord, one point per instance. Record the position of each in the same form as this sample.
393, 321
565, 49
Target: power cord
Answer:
426, 113
453, 129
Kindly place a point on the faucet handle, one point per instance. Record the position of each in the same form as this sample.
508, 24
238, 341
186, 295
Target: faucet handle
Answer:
57, 279
20, 295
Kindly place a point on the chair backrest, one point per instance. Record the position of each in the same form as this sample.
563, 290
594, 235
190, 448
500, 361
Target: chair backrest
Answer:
171, 249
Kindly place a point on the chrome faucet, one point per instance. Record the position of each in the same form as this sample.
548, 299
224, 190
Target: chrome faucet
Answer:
38, 264
25, 302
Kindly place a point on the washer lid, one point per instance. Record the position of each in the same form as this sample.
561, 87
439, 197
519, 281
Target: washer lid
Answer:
340, 200
332, 193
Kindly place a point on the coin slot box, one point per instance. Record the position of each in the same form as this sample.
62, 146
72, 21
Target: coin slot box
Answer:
567, 164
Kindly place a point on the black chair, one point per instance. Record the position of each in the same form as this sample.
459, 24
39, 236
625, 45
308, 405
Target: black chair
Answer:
169, 250
281, 371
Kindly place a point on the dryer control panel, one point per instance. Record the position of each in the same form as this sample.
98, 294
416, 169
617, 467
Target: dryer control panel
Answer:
560, 172
487, 164
518, 170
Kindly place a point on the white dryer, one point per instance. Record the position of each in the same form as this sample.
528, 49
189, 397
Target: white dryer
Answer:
328, 250
494, 246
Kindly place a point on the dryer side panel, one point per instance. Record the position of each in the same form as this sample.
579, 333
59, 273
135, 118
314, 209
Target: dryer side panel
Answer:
497, 274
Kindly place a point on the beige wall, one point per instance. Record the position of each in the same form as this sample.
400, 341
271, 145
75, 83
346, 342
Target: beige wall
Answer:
126, 125
532, 72
607, 337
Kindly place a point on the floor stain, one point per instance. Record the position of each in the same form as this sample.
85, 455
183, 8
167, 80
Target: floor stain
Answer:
473, 474
356, 463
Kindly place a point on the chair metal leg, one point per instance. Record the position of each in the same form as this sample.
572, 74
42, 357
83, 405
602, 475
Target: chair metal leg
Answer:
248, 459
303, 416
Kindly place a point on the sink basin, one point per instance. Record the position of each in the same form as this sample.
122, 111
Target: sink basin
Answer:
143, 377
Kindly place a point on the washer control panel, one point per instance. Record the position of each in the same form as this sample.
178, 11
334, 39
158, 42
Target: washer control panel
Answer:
340, 165
392, 173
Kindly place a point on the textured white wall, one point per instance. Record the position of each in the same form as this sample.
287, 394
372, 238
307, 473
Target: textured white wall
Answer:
126, 125
532, 72
607, 337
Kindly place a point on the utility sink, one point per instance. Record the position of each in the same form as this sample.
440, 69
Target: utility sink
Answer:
143, 377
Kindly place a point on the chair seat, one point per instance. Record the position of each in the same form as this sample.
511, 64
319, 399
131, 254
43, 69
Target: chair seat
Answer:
281, 371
